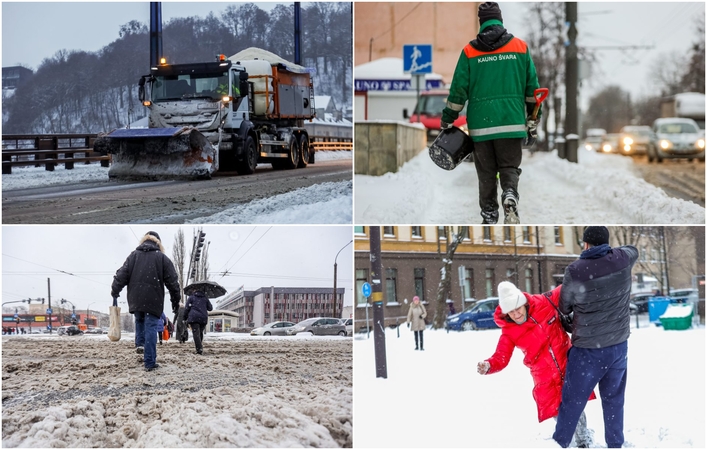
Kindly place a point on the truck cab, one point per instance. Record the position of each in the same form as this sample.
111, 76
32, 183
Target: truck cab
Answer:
428, 111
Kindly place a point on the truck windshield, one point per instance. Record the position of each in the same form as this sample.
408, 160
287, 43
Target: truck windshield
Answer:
179, 87
432, 105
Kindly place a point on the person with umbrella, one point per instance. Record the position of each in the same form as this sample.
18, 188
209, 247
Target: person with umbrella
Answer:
196, 311
146, 272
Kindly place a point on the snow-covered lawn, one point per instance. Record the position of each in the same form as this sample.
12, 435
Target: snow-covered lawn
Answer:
600, 189
435, 398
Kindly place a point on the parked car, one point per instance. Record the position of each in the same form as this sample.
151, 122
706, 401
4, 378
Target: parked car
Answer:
688, 295
272, 329
475, 316
640, 301
71, 330
348, 323
430, 109
320, 326
635, 140
677, 138
95, 331
610, 143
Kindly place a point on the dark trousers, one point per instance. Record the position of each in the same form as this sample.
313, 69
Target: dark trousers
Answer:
587, 367
418, 338
197, 331
502, 156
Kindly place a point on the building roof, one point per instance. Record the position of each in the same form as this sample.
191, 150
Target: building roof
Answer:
386, 69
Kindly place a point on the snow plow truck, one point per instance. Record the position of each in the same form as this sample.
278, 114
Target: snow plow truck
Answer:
227, 115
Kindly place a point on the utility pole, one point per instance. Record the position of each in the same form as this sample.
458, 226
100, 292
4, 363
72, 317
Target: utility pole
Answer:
49, 307
665, 259
377, 297
571, 77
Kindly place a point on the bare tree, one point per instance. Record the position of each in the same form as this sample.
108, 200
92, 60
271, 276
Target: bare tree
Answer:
179, 257
445, 283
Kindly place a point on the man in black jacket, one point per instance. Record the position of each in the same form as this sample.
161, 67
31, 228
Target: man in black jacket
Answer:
146, 272
596, 288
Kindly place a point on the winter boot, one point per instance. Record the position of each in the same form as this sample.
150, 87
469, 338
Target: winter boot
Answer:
510, 206
140, 350
490, 216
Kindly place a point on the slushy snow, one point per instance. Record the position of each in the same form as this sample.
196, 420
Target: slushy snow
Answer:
436, 399
600, 189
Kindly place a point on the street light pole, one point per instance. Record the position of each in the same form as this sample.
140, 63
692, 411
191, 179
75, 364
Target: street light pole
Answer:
337, 255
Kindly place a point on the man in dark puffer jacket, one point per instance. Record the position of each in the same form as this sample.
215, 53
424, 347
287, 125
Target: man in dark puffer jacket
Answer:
146, 272
596, 288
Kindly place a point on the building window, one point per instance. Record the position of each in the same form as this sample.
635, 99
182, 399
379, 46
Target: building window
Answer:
468, 283
420, 283
558, 235
389, 231
464, 231
391, 276
361, 277
360, 231
526, 235
417, 232
441, 233
510, 273
529, 280
490, 284
487, 234
507, 234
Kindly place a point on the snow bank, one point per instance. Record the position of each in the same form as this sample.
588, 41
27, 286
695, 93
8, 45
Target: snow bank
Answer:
600, 189
320, 203
29, 177
439, 390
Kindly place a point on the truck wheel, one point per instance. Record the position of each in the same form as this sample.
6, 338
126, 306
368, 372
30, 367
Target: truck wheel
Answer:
250, 158
304, 151
293, 155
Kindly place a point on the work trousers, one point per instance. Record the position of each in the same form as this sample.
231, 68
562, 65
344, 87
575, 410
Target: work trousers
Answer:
587, 367
497, 156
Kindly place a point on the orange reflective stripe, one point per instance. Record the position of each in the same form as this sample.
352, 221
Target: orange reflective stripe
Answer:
514, 46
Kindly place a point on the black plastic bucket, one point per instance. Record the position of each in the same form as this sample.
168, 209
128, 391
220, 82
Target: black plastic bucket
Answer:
450, 148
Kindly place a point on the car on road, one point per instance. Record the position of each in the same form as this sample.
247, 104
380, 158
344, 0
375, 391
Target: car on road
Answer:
635, 140
71, 330
677, 138
475, 316
594, 138
610, 143
96, 331
319, 326
348, 323
272, 329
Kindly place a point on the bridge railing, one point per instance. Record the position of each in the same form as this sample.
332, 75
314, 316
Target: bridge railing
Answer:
49, 150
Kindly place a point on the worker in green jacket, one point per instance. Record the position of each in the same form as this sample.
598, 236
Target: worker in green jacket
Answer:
496, 75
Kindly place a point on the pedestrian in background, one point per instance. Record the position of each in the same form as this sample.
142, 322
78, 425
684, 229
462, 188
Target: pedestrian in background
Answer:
596, 289
416, 321
533, 324
496, 76
161, 325
196, 314
146, 272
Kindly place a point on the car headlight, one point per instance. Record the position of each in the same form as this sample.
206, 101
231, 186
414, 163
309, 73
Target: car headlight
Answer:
606, 148
665, 144
627, 147
454, 320
628, 141
700, 144
588, 147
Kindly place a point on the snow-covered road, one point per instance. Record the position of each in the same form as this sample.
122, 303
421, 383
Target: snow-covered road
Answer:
600, 189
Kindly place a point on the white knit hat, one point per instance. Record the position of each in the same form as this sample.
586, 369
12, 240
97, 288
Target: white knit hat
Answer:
510, 297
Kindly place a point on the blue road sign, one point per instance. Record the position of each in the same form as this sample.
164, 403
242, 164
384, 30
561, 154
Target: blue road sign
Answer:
73, 316
417, 58
16, 316
366, 289
49, 310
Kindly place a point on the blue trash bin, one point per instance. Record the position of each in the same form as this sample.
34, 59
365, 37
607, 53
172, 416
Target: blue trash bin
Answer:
656, 308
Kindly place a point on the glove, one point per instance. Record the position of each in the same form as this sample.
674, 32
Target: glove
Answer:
532, 135
421, 316
175, 308
408, 324
445, 125
115, 300
483, 367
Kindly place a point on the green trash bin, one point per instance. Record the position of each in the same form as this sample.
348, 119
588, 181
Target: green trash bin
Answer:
678, 316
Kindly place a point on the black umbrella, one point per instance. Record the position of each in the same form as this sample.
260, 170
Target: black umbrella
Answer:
211, 289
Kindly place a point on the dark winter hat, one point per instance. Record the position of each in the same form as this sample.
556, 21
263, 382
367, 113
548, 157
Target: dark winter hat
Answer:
596, 235
154, 233
488, 11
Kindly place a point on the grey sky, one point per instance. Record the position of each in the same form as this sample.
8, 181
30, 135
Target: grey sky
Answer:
32, 31
669, 27
285, 256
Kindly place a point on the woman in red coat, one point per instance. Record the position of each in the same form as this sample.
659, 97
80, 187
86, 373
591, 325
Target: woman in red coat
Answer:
532, 323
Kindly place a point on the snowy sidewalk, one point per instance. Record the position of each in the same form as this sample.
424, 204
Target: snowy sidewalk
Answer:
600, 189
436, 399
